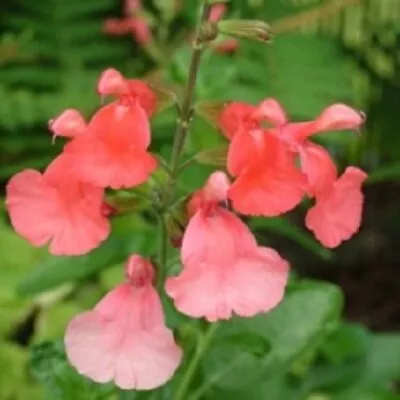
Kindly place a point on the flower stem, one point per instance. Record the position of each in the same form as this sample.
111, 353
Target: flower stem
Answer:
162, 253
187, 104
184, 119
202, 347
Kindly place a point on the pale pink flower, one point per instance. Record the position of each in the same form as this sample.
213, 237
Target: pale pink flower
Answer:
224, 271
124, 338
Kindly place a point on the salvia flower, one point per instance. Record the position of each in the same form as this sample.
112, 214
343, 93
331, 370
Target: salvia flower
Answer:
128, 91
57, 208
132, 23
124, 338
224, 271
113, 151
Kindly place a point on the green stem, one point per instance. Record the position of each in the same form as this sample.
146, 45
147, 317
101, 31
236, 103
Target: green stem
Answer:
184, 120
187, 104
162, 253
202, 347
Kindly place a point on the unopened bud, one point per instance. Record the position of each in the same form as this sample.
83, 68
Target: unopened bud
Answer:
209, 31
246, 29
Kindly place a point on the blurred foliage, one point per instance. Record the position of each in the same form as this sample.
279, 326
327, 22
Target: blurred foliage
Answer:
52, 52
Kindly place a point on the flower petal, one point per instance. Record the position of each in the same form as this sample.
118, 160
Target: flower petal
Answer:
270, 110
217, 237
56, 208
317, 164
336, 216
251, 285
235, 115
269, 192
118, 341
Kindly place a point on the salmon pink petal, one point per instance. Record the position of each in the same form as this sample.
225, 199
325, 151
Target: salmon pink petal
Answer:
317, 164
124, 339
32, 204
117, 124
142, 31
271, 111
115, 26
131, 6
215, 237
246, 149
143, 93
112, 82
70, 217
226, 46
113, 153
250, 285
339, 117
217, 12
236, 114
336, 216
269, 192
69, 123
96, 162
334, 118
216, 188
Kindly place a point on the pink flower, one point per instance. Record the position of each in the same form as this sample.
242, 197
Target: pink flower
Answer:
54, 207
113, 83
237, 115
217, 12
268, 182
113, 151
226, 46
69, 123
224, 271
131, 23
336, 216
315, 160
124, 338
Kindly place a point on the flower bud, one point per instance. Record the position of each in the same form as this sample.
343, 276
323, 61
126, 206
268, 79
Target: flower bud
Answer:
246, 29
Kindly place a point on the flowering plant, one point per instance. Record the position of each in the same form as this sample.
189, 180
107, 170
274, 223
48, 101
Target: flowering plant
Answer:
270, 166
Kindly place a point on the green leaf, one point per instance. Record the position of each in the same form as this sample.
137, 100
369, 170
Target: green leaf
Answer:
295, 327
252, 343
284, 227
349, 341
383, 358
50, 367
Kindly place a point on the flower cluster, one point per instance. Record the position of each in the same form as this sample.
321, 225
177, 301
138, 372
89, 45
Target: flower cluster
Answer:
264, 152
272, 164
